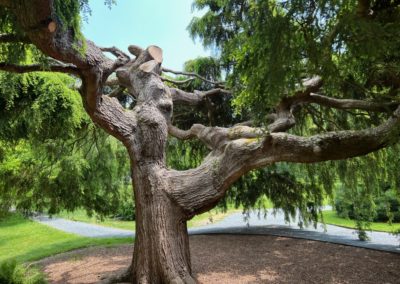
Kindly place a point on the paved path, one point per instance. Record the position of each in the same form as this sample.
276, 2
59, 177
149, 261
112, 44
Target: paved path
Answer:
274, 224
83, 229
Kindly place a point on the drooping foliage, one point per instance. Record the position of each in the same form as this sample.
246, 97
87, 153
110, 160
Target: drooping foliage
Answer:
268, 47
52, 156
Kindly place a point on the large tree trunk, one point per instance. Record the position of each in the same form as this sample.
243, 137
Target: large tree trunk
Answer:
166, 199
161, 252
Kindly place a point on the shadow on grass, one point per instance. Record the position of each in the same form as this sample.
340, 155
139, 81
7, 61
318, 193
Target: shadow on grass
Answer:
13, 220
65, 246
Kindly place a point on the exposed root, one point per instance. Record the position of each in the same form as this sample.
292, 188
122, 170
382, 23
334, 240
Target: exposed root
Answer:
120, 278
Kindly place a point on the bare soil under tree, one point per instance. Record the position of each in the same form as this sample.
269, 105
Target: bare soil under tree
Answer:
242, 259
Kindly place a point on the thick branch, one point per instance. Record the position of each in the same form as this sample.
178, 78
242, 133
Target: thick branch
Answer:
283, 118
352, 104
198, 189
116, 52
38, 19
185, 134
216, 137
71, 69
213, 137
112, 117
195, 98
13, 38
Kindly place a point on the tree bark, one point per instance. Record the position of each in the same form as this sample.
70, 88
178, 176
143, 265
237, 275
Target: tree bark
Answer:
161, 250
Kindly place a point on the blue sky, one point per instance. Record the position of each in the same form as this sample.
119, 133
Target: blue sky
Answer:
146, 22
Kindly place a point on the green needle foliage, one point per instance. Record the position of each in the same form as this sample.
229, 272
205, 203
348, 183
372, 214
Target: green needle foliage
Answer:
52, 156
267, 47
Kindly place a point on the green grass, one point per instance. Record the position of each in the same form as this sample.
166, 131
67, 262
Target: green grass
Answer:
330, 217
25, 240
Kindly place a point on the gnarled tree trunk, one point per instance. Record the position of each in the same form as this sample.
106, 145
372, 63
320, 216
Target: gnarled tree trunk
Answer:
165, 199
161, 252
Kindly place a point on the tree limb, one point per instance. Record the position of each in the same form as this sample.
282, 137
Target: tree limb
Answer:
185, 134
195, 98
283, 118
352, 104
13, 38
223, 167
38, 20
116, 52
68, 68
216, 137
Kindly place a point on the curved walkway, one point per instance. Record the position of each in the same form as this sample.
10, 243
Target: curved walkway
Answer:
235, 223
83, 229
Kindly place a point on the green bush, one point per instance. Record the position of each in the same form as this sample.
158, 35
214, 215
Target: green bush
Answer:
13, 273
388, 207
125, 211
383, 208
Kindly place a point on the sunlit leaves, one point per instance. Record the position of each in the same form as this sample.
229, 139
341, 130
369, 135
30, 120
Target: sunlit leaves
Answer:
269, 46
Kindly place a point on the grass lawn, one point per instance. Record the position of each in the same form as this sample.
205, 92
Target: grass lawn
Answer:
26, 240
330, 217
214, 215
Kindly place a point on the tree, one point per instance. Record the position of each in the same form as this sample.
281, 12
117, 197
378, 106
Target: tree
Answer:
307, 44
52, 157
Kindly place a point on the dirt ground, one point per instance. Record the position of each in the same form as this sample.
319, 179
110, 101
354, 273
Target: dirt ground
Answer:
242, 259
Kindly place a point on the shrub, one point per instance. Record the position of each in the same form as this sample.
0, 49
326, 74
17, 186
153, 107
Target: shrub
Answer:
125, 210
13, 273
383, 208
388, 207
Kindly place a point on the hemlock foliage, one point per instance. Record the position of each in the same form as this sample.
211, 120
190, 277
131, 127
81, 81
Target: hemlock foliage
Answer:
267, 47
52, 157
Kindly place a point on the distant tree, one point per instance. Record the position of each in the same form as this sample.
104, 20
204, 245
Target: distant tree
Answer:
289, 64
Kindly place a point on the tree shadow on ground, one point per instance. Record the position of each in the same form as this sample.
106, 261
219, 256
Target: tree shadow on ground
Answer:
243, 259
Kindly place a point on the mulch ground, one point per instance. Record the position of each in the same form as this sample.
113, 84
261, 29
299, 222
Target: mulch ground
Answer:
242, 259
